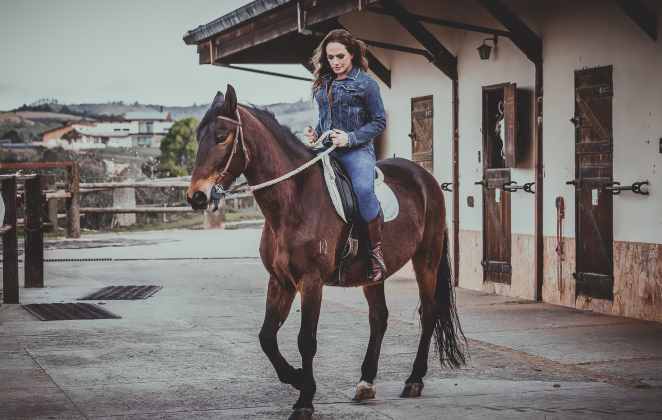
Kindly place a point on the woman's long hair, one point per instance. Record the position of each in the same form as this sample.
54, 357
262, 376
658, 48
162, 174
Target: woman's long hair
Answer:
354, 46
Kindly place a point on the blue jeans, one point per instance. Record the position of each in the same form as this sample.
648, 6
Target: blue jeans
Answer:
359, 163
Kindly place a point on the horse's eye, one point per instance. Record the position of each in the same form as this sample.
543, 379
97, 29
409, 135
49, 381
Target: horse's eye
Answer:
221, 135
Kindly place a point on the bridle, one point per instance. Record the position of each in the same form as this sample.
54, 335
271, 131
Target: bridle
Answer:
220, 185
220, 188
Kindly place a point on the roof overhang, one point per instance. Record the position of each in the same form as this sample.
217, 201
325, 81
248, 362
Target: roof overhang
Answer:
274, 32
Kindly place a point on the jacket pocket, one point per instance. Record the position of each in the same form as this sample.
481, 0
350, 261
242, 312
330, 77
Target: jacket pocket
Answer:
350, 105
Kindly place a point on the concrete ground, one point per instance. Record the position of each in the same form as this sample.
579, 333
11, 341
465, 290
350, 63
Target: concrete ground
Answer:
191, 350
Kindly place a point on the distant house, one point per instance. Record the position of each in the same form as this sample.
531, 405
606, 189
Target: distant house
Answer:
137, 129
99, 136
152, 126
54, 136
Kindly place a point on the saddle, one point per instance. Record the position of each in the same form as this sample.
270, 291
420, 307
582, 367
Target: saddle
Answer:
339, 187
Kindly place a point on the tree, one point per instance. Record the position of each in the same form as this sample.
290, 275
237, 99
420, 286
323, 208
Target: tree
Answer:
178, 148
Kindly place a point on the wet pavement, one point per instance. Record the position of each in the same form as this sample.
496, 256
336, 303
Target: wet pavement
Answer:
191, 350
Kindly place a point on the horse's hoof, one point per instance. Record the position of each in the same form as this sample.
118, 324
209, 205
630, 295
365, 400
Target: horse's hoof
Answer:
412, 390
302, 414
364, 391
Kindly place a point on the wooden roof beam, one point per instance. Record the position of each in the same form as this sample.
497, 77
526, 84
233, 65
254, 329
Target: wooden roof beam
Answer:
523, 37
445, 22
378, 68
639, 13
442, 58
265, 72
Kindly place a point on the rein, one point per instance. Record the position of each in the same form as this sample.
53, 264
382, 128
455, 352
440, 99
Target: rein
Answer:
220, 190
300, 168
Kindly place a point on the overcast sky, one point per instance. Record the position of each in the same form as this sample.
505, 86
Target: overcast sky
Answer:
130, 50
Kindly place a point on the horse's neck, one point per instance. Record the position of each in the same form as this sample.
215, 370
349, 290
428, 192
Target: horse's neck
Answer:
271, 159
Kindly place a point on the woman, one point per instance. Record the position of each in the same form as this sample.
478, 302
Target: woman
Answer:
350, 104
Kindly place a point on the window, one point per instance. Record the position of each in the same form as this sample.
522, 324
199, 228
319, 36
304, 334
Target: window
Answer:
146, 127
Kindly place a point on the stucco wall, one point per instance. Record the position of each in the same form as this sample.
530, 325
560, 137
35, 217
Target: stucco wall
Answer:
599, 34
575, 35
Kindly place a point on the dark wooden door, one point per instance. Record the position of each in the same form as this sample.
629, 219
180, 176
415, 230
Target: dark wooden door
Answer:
496, 225
499, 134
421, 131
593, 172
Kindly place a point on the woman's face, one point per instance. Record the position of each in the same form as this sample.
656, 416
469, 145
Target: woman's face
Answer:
340, 60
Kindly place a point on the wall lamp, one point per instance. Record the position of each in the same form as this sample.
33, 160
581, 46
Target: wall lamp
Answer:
484, 50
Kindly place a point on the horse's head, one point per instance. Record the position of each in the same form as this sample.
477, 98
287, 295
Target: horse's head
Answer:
221, 157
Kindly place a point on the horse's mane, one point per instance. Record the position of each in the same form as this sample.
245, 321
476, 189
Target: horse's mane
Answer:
293, 146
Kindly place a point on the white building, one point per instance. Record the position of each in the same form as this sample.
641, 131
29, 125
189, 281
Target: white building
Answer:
572, 239
138, 129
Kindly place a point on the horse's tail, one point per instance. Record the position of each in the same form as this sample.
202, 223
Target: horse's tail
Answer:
449, 337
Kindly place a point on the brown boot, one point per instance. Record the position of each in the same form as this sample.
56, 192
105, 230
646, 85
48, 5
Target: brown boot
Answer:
376, 265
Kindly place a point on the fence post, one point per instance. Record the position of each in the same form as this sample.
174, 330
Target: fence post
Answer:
9, 243
73, 202
34, 234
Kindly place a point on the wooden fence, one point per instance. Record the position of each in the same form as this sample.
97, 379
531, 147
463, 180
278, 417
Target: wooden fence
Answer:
72, 189
71, 194
34, 235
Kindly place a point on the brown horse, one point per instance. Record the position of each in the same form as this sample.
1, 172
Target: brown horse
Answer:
303, 238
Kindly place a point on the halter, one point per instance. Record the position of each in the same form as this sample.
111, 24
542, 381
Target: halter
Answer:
219, 190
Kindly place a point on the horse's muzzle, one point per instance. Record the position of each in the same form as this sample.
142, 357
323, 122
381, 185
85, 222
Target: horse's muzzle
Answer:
198, 201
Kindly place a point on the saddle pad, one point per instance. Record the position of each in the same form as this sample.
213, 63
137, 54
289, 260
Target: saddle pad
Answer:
387, 199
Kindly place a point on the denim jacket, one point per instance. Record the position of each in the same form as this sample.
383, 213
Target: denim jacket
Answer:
357, 108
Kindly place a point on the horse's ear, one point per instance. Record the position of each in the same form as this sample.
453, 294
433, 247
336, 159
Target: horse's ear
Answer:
218, 99
230, 105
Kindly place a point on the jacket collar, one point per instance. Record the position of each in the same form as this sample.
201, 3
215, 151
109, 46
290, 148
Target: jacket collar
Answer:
353, 74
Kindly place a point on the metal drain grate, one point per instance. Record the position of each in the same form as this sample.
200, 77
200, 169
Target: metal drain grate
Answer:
123, 293
68, 311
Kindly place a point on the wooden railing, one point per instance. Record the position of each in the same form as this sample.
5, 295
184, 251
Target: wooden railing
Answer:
34, 235
71, 191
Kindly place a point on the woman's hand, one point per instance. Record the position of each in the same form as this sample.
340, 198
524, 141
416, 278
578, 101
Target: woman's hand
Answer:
339, 138
310, 134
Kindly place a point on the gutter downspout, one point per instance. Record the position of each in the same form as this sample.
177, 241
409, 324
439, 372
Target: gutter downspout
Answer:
539, 239
456, 183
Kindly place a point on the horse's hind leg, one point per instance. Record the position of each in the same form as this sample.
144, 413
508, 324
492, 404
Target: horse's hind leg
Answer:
425, 266
279, 301
378, 316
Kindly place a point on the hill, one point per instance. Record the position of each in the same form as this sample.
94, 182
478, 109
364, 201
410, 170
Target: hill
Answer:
27, 123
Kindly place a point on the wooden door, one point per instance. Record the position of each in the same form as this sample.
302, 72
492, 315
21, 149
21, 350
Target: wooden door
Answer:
499, 134
496, 225
593, 172
421, 131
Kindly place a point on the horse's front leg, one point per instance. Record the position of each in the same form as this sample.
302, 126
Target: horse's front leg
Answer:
311, 301
279, 302
378, 316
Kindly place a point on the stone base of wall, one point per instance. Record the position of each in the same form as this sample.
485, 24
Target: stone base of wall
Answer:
522, 282
637, 275
637, 280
